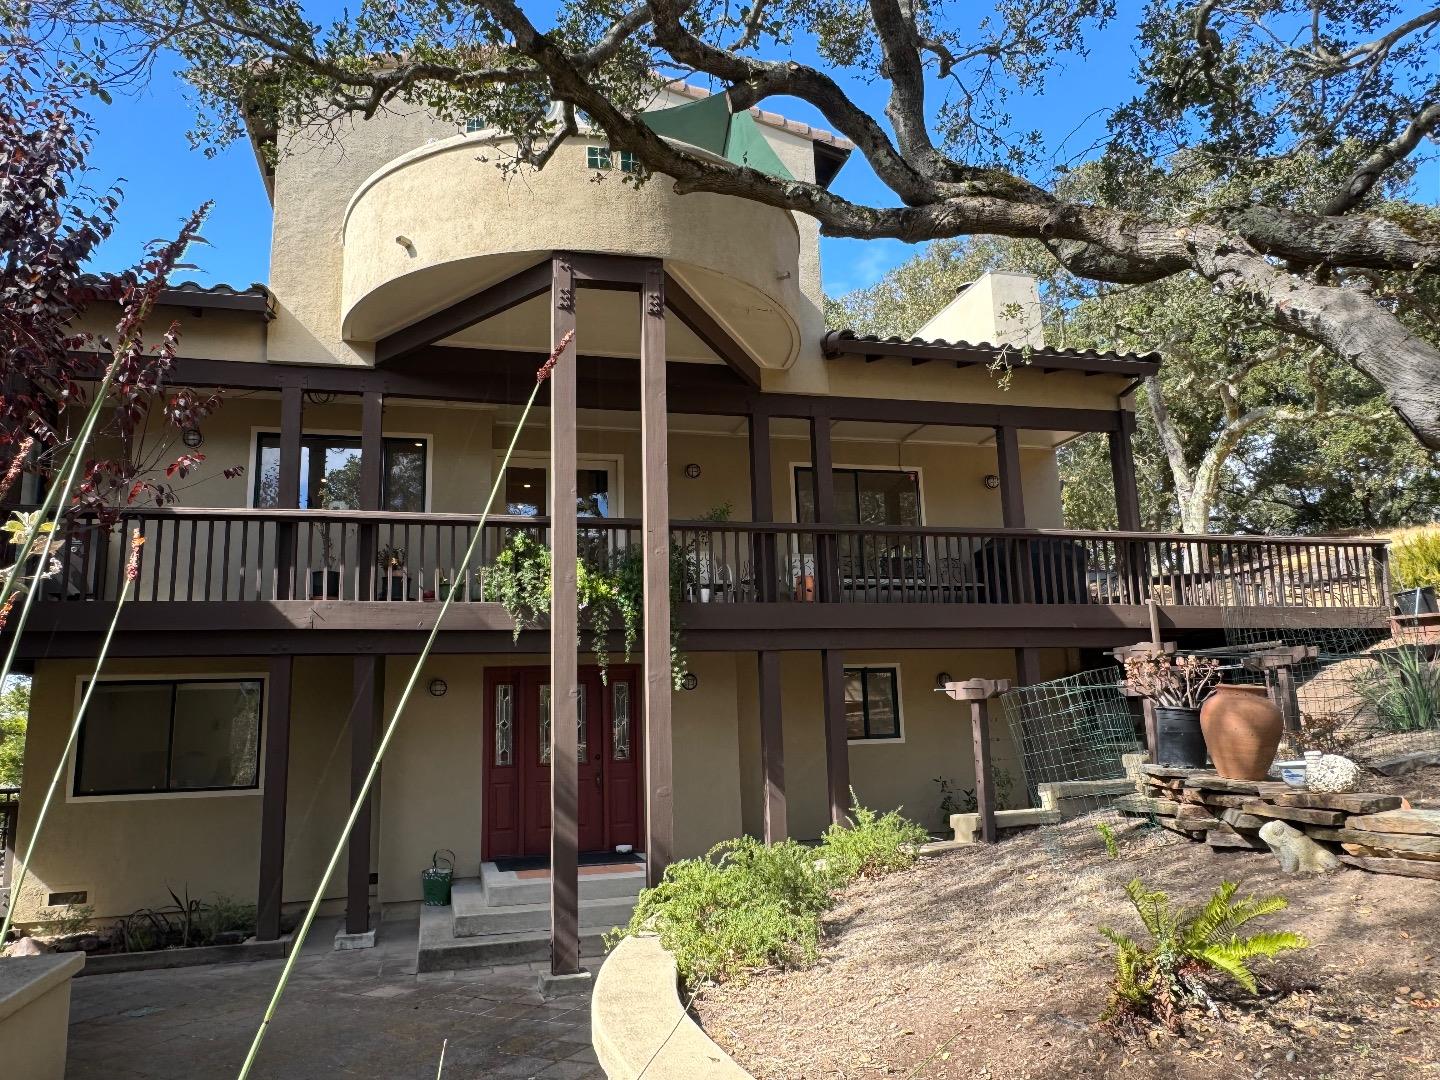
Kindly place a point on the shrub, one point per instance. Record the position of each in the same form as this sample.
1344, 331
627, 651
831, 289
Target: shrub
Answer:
70, 920
225, 915
871, 846
1415, 558
742, 907
1403, 690
746, 906
1159, 982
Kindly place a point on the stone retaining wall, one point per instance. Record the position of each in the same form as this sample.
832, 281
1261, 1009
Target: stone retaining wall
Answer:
1369, 831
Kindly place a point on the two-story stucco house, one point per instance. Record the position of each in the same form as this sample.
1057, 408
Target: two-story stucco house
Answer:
856, 519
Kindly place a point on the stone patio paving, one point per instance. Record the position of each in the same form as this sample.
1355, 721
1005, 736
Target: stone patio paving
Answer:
349, 1014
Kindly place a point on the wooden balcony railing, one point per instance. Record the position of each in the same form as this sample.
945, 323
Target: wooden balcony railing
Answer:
265, 555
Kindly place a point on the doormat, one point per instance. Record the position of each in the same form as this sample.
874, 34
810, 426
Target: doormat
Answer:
594, 858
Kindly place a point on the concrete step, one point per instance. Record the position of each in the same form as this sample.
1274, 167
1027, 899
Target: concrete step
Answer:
441, 950
474, 917
504, 888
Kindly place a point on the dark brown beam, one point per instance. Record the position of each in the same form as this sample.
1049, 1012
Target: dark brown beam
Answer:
772, 748
706, 389
655, 525
271, 893
372, 455
620, 272
1122, 471
1012, 492
292, 427
564, 630
837, 735
762, 503
1027, 667
708, 329
822, 473
501, 297
365, 709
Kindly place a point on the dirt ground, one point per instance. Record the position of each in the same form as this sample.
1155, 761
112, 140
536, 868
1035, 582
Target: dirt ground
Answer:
987, 964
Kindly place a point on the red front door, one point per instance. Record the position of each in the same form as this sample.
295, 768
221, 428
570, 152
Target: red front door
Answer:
517, 721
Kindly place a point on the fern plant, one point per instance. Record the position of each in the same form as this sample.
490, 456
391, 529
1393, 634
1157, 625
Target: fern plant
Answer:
1161, 981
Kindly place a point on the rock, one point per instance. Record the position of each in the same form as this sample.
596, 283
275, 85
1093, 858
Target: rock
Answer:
1333, 773
26, 946
1399, 867
1409, 844
1298, 854
1168, 772
1351, 803
1424, 822
1387, 853
1195, 828
1223, 836
1406, 763
1138, 804
1211, 782
1238, 819
1294, 813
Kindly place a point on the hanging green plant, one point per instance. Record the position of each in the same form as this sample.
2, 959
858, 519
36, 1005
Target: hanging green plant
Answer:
609, 590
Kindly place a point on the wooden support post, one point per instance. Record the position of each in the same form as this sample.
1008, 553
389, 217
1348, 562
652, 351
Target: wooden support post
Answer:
372, 464
1012, 494
1278, 666
837, 736
762, 506
273, 798
1027, 666
1122, 472
655, 511
564, 627
978, 693
822, 471
772, 748
287, 494
368, 685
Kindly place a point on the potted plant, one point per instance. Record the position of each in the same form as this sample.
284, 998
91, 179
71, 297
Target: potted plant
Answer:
708, 574
1177, 685
394, 583
1415, 565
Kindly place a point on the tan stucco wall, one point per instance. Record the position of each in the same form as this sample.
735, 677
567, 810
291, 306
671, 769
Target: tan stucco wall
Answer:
125, 851
885, 775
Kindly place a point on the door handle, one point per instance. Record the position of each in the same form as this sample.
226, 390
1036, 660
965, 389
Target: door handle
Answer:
598, 781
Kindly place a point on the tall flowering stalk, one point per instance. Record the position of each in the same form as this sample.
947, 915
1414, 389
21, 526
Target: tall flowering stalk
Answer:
303, 932
132, 572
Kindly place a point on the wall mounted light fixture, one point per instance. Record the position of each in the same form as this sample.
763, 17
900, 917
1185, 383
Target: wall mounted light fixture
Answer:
992, 481
439, 687
689, 681
692, 471
192, 437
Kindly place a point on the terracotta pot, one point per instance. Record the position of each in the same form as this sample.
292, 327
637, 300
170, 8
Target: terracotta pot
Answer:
1242, 730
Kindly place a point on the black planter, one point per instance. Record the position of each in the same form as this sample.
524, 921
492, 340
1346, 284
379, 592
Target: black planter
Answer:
392, 587
1416, 601
1178, 739
325, 584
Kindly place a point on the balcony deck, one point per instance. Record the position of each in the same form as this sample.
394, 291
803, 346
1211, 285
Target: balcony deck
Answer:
316, 574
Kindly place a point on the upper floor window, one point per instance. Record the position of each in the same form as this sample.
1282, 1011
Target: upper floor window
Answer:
165, 736
863, 496
527, 490
474, 124
330, 473
602, 157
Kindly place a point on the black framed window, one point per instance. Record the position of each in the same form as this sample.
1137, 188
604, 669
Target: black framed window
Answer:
872, 702
170, 735
330, 473
863, 496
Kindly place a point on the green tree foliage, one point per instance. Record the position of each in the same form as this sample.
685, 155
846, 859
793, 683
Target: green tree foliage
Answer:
14, 717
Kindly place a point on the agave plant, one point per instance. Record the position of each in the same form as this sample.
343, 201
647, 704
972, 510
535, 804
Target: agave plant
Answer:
1160, 982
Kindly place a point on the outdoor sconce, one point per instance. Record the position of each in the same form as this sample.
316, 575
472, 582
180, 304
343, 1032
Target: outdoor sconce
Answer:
692, 471
192, 437
689, 681
438, 687
942, 679
992, 481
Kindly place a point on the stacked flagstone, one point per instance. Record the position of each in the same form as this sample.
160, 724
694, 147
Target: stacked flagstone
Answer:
1368, 831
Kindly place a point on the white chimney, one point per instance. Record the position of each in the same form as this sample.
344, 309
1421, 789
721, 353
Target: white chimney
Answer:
1001, 307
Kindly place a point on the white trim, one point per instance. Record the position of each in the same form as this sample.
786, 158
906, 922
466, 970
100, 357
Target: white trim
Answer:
916, 469
146, 796
254, 463
899, 703
614, 464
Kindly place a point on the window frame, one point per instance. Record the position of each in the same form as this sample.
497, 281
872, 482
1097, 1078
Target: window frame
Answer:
257, 433
73, 769
867, 739
837, 467
594, 152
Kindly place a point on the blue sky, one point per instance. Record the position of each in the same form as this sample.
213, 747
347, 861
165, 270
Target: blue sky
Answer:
142, 138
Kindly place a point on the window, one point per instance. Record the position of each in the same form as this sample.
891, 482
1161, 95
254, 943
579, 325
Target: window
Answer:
602, 157
155, 737
863, 496
872, 703
330, 473
597, 157
627, 162
527, 488
474, 124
